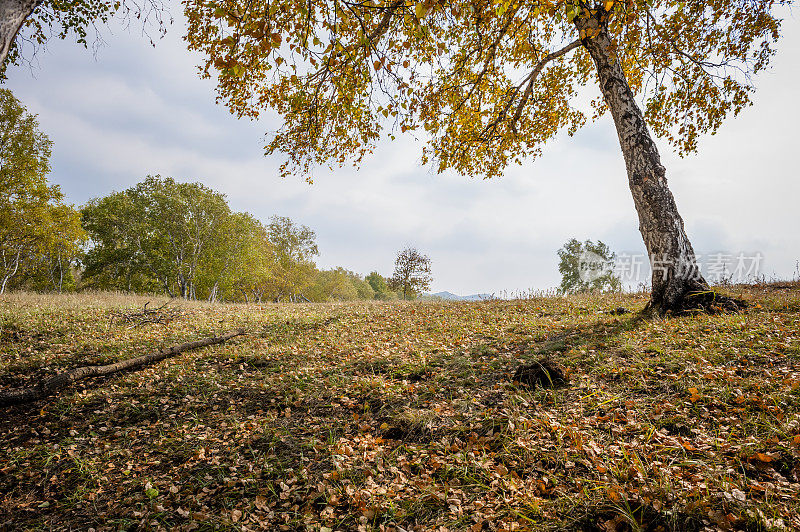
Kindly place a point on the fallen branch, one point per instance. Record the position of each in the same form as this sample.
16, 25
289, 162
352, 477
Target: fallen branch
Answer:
62, 380
161, 315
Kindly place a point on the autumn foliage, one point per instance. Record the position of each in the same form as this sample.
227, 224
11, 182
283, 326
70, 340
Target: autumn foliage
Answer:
483, 83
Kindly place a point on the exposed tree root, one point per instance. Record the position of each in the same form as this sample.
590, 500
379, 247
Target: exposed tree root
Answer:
62, 380
695, 299
711, 302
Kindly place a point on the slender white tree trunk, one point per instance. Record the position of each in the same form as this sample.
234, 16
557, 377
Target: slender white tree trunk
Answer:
12, 15
60, 274
676, 279
10, 274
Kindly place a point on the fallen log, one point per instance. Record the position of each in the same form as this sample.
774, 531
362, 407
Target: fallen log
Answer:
62, 380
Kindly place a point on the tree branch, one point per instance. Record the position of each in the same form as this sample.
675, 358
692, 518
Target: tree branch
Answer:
62, 380
531, 79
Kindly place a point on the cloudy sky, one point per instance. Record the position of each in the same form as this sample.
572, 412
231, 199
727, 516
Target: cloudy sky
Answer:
128, 110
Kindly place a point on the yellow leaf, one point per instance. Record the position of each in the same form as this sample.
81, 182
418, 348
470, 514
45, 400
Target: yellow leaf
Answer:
421, 10
572, 12
695, 395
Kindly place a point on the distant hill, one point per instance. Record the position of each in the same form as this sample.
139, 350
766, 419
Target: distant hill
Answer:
450, 296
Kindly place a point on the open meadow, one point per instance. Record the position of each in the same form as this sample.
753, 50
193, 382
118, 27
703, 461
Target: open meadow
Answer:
334, 159
404, 416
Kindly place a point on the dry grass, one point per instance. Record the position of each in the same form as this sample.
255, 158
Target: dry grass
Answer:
405, 416
87, 299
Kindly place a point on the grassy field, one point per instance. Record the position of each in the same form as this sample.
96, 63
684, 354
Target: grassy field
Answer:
405, 417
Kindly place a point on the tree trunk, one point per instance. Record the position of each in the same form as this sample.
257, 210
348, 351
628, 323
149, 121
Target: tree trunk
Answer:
677, 284
9, 275
60, 274
12, 15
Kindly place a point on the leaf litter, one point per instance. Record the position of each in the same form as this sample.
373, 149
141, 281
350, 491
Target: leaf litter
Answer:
407, 417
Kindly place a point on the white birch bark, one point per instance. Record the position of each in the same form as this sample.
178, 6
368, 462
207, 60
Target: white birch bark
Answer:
12, 15
675, 272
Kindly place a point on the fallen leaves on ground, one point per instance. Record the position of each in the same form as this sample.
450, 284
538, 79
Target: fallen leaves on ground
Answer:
405, 416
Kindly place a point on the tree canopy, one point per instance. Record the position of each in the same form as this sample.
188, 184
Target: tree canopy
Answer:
485, 83
587, 267
295, 249
39, 233
181, 238
380, 287
412, 273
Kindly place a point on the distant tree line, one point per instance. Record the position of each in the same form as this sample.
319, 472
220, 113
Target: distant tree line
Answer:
184, 240
161, 236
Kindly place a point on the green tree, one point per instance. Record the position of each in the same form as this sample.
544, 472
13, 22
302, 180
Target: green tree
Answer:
587, 267
293, 241
333, 285
37, 230
339, 284
363, 289
54, 267
489, 83
166, 229
412, 273
380, 287
121, 245
180, 238
295, 247
240, 266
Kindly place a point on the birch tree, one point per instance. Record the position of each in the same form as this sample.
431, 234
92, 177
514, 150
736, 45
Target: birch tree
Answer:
34, 22
35, 223
486, 83
182, 239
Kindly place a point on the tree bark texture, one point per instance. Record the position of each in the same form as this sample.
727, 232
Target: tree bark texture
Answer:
677, 284
12, 15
